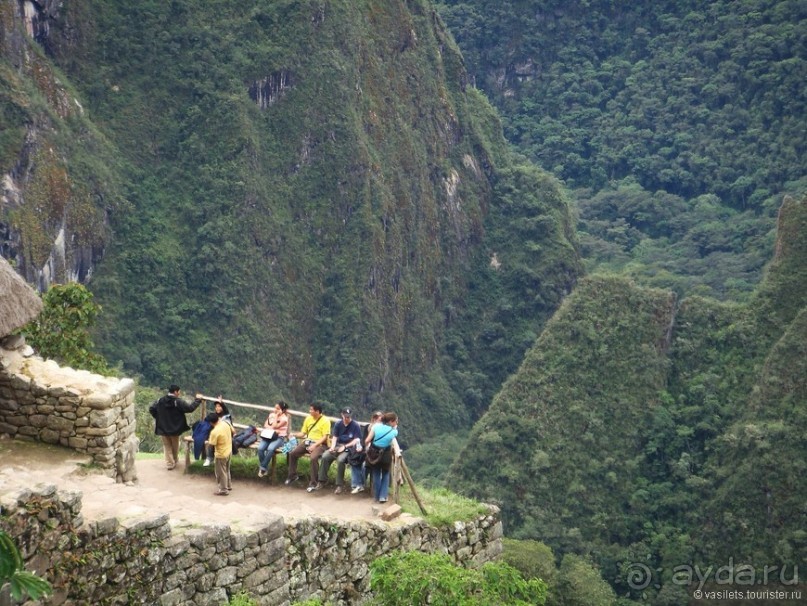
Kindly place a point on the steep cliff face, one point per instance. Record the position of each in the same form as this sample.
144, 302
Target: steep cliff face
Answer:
53, 198
315, 193
636, 423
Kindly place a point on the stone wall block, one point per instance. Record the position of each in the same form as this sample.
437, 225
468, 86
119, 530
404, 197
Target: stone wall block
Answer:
105, 442
38, 390
21, 384
104, 418
217, 597
97, 400
249, 566
9, 429
9, 399
38, 421
99, 431
59, 423
226, 576
172, 598
261, 575
77, 443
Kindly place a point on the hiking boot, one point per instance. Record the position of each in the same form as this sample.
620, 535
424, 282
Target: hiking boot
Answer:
357, 489
291, 480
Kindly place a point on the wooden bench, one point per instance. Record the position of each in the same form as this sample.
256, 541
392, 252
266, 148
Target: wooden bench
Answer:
292, 413
254, 446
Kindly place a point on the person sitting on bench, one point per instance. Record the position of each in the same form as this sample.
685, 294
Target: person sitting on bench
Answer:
273, 436
314, 435
346, 434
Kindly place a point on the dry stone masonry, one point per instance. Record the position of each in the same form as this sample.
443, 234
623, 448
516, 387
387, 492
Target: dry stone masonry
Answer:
143, 560
147, 559
39, 400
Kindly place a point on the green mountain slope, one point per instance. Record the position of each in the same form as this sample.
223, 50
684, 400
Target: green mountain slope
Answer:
638, 431
679, 125
315, 197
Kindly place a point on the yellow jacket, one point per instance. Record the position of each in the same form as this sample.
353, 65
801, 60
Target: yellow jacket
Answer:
221, 437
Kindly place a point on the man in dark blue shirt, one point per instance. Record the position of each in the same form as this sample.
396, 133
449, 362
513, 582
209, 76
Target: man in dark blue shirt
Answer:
346, 434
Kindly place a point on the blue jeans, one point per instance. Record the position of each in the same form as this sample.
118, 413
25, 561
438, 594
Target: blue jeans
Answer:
380, 483
356, 475
266, 449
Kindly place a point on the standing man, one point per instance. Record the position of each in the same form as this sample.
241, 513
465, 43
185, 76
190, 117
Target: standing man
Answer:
346, 434
221, 440
170, 423
313, 440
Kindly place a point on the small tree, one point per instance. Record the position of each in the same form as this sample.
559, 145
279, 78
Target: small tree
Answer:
12, 571
61, 331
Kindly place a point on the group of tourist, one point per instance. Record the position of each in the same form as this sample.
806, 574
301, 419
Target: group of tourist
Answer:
367, 451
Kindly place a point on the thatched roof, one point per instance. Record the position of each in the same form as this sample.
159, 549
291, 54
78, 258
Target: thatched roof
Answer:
19, 303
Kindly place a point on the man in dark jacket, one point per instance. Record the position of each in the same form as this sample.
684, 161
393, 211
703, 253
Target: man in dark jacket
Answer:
169, 415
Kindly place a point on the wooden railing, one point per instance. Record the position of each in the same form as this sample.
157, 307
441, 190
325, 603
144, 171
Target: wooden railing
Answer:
399, 472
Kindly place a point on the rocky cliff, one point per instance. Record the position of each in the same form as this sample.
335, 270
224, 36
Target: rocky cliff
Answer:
294, 199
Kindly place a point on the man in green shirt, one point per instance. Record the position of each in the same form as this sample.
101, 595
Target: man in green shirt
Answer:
313, 440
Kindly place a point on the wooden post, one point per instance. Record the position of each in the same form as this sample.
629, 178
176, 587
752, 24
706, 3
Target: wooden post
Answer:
395, 476
411, 483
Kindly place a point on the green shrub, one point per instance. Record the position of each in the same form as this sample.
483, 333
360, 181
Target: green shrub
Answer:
61, 331
580, 584
532, 559
404, 579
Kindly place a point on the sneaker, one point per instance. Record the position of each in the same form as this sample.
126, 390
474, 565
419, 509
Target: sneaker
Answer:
291, 480
338, 490
207, 463
314, 487
382, 500
357, 489
221, 493
262, 473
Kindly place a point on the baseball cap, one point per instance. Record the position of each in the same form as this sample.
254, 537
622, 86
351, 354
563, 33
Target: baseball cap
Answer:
347, 411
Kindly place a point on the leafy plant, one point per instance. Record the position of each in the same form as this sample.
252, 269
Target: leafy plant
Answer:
61, 331
404, 579
242, 599
12, 571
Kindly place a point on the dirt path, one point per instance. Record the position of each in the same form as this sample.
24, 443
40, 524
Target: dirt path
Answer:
187, 499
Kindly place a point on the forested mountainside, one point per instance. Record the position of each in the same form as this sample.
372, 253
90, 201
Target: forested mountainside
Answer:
311, 199
644, 430
677, 124
298, 199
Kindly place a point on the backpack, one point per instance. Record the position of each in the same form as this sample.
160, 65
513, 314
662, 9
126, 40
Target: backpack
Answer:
244, 438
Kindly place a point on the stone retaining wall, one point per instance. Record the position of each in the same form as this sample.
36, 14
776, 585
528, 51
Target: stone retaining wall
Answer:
39, 400
144, 561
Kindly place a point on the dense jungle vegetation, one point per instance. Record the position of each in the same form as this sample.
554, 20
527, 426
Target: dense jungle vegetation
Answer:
312, 198
677, 125
308, 197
